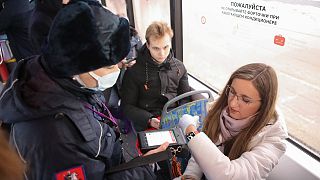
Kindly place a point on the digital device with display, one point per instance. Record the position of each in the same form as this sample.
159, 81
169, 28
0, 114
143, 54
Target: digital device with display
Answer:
129, 60
153, 139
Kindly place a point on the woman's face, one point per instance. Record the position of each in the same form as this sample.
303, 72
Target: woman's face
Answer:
243, 99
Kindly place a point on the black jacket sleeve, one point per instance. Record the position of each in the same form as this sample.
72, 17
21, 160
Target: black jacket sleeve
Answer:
5, 19
12, 8
39, 29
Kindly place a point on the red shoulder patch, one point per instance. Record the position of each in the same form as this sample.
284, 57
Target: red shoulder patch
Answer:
76, 173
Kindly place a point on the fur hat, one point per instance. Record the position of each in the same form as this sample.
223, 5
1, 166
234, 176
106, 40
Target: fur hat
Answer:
84, 36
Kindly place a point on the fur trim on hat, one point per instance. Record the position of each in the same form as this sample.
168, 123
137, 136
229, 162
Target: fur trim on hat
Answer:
83, 37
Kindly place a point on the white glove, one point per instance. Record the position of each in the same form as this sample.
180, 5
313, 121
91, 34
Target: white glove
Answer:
187, 120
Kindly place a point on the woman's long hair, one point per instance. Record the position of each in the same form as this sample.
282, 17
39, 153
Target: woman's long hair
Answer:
264, 79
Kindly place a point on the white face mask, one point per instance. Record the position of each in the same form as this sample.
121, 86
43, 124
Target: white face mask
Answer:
105, 81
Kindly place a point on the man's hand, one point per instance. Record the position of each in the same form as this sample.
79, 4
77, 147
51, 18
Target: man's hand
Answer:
154, 122
161, 148
125, 64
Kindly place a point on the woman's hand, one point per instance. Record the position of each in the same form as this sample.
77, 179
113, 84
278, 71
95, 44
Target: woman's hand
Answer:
188, 123
161, 148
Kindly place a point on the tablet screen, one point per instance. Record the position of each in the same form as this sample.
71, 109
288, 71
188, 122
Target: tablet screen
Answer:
159, 137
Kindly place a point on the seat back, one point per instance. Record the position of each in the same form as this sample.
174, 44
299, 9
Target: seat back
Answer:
170, 119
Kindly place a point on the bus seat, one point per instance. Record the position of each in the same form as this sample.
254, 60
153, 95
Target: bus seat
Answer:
170, 119
197, 107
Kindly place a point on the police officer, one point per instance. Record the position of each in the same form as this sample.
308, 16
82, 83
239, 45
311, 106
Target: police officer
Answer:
58, 120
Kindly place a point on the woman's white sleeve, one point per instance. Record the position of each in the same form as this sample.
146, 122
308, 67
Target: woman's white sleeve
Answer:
254, 164
193, 169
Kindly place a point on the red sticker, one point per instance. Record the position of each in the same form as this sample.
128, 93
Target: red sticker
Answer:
76, 173
279, 40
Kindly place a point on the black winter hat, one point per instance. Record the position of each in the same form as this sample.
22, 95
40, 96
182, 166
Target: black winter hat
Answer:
84, 36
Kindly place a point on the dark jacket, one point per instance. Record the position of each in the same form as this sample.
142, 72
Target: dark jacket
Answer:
51, 128
14, 21
41, 20
163, 82
135, 43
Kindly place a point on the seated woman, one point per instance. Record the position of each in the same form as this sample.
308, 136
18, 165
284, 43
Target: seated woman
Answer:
243, 135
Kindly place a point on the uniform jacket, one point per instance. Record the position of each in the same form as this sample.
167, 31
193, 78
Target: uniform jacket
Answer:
14, 21
50, 126
147, 86
266, 148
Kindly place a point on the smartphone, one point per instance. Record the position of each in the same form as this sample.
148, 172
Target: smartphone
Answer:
153, 139
129, 60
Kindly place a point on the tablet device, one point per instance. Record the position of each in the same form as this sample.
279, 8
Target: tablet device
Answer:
153, 139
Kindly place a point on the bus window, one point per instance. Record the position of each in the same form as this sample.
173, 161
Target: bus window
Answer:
220, 36
147, 11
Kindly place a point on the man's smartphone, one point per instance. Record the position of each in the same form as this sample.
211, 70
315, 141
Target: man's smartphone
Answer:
129, 60
153, 139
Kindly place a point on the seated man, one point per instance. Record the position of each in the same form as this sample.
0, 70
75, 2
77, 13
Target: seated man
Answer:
156, 78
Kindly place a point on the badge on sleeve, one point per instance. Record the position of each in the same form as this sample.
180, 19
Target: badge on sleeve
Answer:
76, 173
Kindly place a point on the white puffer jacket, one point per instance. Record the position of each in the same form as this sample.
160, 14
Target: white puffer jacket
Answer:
266, 149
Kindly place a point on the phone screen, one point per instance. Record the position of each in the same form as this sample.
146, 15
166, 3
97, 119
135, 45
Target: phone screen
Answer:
159, 137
